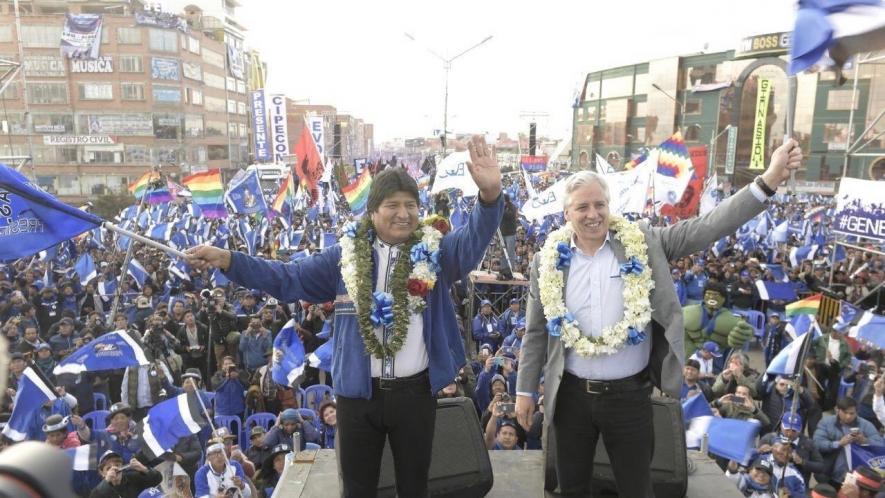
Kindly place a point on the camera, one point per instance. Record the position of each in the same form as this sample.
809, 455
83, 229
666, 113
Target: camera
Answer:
738, 400
854, 431
205, 293
507, 408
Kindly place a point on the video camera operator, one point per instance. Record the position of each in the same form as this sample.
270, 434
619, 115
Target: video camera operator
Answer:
222, 321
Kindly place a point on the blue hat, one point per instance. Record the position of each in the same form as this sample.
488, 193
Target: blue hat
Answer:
289, 414
514, 300
487, 346
674, 271
745, 273
712, 348
792, 421
485, 302
520, 324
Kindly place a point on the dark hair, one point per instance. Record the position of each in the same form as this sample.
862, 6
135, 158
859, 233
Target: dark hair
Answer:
329, 403
716, 287
846, 403
389, 182
825, 490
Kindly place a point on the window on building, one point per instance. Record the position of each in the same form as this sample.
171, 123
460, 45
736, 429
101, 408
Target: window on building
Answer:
192, 70
193, 125
47, 92
836, 135
231, 83
194, 96
41, 36
620, 86
640, 109
244, 131
5, 33
167, 125
232, 106
693, 133
163, 40
13, 123
692, 106
212, 57
95, 156
129, 36
215, 128
213, 80
96, 91
840, 100
702, 74
53, 123
232, 130
214, 104
241, 86
166, 155
66, 154
193, 45
11, 92
217, 152
132, 91
241, 108
130, 64
138, 154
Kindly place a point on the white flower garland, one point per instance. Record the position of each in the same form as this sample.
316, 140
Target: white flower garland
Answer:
421, 270
638, 284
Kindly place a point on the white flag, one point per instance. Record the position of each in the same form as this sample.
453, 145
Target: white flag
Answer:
545, 203
709, 199
602, 166
629, 189
452, 173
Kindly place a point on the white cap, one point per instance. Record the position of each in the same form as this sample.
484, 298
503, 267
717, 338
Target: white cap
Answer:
214, 447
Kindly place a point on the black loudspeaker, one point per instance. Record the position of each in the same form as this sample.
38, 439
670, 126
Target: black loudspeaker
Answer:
460, 465
669, 465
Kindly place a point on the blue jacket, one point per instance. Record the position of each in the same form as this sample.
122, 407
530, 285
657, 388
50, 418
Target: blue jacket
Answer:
110, 441
230, 398
252, 348
317, 279
508, 320
828, 433
481, 330
694, 285
679, 285
201, 482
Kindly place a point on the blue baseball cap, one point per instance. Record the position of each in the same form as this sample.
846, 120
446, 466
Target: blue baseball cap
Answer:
520, 324
485, 302
712, 348
791, 421
515, 300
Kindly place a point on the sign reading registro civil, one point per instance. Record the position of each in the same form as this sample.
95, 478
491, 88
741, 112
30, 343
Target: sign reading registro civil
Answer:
78, 140
768, 44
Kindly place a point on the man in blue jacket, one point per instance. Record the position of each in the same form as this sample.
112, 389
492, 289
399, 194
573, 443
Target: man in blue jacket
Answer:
835, 432
388, 393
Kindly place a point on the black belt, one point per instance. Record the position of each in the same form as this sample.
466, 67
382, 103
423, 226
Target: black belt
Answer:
627, 384
420, 379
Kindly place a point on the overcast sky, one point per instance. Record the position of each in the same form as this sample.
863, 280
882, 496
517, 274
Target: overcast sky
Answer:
354, 54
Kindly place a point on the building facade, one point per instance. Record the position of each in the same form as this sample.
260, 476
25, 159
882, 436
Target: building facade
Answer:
716, 98
155, 96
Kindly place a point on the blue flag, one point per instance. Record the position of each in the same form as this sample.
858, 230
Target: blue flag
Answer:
322, 357
85, 268
869, 328
244, 196
137, 272
217, 279
787, 362
33, 391
107, 352
32, 220
776, 290
696, 406
728, 438
329, 239
85, 457
865, 456
169, 421
287, 369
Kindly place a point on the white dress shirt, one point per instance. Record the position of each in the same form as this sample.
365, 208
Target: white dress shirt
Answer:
412, 358
594, 296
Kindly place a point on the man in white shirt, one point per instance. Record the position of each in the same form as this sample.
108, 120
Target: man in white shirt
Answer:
590, 394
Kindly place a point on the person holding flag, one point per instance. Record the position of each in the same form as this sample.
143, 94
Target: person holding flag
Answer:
389, 277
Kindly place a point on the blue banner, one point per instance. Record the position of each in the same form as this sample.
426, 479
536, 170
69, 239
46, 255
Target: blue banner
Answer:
860, 210
259, 127
164, 69
111, 351
244, 195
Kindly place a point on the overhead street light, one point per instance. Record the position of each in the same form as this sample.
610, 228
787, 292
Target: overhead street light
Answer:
447, 65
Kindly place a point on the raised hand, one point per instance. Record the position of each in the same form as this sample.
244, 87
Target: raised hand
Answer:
483, 167
784, 160
206, 256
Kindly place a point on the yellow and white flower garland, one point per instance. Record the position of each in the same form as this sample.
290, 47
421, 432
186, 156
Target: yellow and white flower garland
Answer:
638, 284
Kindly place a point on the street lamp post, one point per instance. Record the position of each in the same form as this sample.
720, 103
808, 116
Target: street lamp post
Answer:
680, 103
712, 148
447, 65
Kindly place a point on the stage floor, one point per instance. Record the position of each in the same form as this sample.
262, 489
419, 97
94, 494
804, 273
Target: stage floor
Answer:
314, 474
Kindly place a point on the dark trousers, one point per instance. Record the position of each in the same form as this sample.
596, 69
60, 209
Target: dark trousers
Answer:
404, 415
624, 419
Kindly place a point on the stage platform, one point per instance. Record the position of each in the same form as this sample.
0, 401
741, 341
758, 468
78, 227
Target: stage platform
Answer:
314, 474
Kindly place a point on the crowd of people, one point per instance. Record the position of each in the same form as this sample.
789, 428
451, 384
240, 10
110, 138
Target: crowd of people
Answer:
206, 335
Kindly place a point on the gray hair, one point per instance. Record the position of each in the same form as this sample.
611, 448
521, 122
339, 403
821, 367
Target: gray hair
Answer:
581, 179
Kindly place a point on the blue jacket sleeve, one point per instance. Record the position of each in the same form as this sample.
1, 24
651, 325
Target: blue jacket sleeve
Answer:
201, 484
479, 332
461, 249
313, 279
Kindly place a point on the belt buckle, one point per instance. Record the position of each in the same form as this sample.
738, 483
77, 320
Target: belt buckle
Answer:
386, 383
590, 387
